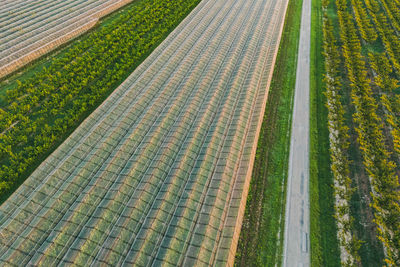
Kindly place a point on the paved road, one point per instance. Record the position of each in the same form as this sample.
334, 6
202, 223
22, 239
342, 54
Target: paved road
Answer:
297, 226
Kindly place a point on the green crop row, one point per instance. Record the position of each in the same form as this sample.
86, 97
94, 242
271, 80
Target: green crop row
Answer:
367, 74
339, 145
39, 112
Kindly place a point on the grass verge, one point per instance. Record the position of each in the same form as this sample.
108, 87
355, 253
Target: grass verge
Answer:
324, 243
261, 237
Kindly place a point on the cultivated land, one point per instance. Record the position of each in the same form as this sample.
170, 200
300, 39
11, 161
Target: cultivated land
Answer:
160, 171
261, 237
30, 29
41, 106
361, 51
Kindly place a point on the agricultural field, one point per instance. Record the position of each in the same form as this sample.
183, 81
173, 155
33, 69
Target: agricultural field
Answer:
159, 172
181, 133
361, 48
261, 236
30, 29
39, 111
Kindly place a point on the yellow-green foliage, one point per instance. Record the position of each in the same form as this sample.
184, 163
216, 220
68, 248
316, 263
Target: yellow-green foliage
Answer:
369, 125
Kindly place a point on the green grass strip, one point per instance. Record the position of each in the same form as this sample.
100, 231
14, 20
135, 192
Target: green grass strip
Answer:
261, 237
324, 243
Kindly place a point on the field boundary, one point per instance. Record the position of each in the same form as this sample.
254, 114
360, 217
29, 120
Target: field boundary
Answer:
245, 190
324, 246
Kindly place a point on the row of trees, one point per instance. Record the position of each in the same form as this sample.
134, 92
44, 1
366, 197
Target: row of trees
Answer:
367, 31
384, 79
369, 126
385, 66
385, 69
393, 13
339, 144
41, 110
386, 30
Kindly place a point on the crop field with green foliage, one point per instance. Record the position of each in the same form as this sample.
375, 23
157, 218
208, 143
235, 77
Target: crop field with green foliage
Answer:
29, 30
159, 172
362, 64
184, 133
38, 113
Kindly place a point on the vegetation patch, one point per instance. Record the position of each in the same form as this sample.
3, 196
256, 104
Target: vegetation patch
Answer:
323, 238
38, 113
261, 237
363, 37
